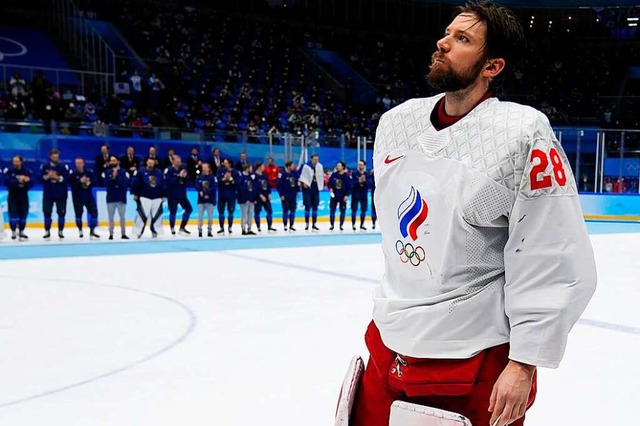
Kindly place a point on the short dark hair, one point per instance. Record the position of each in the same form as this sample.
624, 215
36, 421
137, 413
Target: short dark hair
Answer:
314, 155
54, 151
505, 36
258, 164
288, 164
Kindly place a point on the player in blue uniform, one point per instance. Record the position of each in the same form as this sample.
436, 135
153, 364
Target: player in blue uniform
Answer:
264, 197
361, 181
18, 182
247, 196
339, 186
55, 177
82, 181
207, 187
147, 188
116, 181
288, 190
311, 179
176, 178
228, 184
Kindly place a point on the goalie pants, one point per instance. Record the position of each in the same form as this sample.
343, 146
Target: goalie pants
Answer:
460, 385
149, 214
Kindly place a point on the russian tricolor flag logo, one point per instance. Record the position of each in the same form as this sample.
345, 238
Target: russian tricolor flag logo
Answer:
412, 213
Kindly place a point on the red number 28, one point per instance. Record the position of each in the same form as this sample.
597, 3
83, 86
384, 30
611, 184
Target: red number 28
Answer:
540, 180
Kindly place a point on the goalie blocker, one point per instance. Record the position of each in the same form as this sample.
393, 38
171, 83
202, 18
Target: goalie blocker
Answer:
396, 390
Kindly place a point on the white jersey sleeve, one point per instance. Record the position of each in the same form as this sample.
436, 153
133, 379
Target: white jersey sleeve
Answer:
550, 272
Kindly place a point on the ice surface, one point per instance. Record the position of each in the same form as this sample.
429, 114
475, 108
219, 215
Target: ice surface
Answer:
253, 337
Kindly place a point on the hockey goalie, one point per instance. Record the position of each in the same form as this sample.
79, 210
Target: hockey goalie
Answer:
488, 264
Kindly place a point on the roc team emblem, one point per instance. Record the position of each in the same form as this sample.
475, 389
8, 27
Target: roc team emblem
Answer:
412, 213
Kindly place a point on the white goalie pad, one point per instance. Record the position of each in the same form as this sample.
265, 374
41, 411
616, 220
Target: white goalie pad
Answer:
348, 391
407, 414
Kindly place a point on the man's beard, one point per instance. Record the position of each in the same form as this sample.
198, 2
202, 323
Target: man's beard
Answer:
452, 81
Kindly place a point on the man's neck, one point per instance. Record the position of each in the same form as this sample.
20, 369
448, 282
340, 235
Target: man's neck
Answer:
461, 102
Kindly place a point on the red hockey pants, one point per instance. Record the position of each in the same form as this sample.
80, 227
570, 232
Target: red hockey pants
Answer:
460, 385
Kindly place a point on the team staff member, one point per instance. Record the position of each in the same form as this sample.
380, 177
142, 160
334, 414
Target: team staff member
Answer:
207, 187
272, 172
360, 194
339, 186
117, 182
312, 182
264, 197
176, 178
18, 182
147, 188
82, 181
55, 177
130, 162
288, 189
228, 185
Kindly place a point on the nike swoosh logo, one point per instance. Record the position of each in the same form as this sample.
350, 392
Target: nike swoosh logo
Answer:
390, 160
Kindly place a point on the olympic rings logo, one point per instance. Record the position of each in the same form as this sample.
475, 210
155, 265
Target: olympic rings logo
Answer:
409, 253
20, 51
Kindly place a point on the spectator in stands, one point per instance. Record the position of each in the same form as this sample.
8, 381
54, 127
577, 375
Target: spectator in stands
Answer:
153, 155
39, 88
272, 172
242, 162
102, 162
194, 164
156, 86
99, 128
136, 87
252, 132
16, 109
18, 86
215, 161
89, 111
130, 162
620, 186
71, 114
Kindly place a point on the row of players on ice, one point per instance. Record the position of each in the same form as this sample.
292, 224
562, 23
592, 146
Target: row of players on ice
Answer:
150, 186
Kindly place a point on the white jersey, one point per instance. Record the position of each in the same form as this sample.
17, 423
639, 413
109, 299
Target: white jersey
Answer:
482, 232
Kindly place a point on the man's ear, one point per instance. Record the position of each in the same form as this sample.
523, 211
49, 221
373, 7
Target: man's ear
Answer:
493, 68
